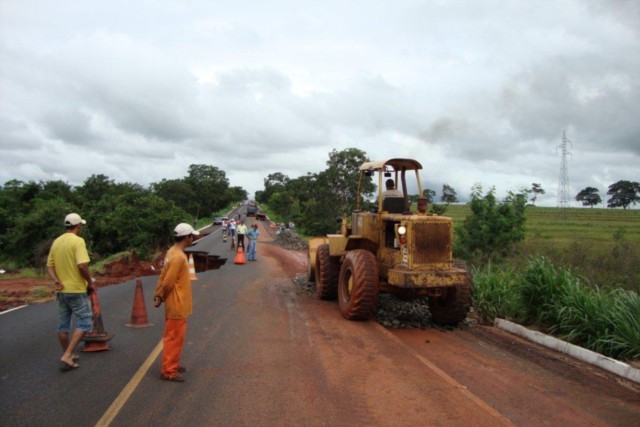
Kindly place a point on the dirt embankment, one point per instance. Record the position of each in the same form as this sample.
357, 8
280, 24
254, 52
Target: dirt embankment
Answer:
15, 292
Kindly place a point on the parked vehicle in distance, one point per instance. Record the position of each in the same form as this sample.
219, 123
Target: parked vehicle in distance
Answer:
218, 220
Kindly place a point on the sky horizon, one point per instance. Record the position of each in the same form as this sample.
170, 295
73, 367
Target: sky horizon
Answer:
477, 91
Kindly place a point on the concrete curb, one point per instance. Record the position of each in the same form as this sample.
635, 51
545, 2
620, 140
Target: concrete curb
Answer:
591, 357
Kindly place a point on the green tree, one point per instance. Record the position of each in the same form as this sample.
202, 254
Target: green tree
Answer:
303, 188
282, 204
448, 194
210, 186
59, 189
179, 192
28, 213
537, 190
623, 194
493, 228
429, 195
237, 194
342, 175
34, 231
317, 219
589, 197
139, 221
93, 189
273, 183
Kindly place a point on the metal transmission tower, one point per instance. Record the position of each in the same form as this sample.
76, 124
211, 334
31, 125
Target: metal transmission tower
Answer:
564, 197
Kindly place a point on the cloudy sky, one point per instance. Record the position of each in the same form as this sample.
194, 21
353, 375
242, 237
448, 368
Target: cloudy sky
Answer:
479, 91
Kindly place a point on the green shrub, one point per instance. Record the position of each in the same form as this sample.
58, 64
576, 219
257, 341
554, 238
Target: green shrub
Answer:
493, 228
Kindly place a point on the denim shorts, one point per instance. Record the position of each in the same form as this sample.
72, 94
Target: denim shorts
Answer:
78, 305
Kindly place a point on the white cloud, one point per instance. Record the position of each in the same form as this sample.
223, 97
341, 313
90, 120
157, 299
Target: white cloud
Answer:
476, 91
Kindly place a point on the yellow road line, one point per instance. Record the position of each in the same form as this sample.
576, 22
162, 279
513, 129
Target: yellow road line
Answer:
128, 390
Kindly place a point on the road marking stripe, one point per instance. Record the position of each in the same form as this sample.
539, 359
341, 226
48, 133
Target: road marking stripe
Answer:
128, 390
463, 389
12, 309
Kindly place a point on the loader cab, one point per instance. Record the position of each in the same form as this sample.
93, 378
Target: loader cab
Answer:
392, 206
400, 172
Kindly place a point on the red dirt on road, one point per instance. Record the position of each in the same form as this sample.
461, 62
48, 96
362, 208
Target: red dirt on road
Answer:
15, 292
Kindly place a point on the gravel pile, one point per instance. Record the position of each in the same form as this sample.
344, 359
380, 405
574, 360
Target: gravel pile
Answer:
391, 311
302, 283
402, 313
290, 240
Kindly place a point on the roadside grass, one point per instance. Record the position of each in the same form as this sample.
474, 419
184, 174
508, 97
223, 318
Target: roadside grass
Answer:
561, 303
575, 276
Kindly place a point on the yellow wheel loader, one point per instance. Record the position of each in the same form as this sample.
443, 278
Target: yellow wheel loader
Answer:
391, 248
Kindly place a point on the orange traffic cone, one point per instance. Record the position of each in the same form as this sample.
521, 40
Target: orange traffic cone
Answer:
139, 317
239, 257
192, 269
97, 339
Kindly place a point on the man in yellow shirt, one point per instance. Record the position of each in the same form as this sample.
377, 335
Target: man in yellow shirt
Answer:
68, 266
242, 230
174, 289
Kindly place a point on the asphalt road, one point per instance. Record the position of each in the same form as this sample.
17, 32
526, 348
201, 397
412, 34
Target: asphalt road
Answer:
261, 353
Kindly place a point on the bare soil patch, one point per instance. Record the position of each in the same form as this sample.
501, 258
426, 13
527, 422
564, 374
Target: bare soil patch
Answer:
15, 292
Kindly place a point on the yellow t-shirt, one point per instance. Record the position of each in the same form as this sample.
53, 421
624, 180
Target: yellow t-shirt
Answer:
174, 285
67, 252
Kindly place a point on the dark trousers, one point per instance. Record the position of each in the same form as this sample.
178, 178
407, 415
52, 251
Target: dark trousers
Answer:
241, 240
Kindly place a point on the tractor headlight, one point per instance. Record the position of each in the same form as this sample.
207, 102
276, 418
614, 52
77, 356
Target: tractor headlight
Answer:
402, 233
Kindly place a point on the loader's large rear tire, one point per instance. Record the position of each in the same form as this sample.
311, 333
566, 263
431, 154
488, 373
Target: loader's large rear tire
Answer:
327, 272
358, 285
451, 308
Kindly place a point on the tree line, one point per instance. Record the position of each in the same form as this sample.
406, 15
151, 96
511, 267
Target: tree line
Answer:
120, 216
124, 216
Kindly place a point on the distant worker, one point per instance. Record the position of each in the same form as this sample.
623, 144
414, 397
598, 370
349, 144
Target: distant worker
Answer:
391, 191
225, 226
68, 266
232, 228
174, 289
252, 235
241, 229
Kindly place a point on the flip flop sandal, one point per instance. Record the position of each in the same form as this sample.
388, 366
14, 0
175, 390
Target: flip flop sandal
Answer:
65, 367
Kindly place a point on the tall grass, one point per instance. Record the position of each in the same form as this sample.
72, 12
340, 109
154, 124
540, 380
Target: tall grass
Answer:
496, 294
560, 302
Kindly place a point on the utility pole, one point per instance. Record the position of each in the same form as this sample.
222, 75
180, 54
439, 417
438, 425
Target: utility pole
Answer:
564, 189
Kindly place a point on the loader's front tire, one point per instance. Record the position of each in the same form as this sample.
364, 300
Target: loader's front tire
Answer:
327, 271
358, 285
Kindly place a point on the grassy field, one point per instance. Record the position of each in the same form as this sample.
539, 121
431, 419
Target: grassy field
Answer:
603, 245
563, 227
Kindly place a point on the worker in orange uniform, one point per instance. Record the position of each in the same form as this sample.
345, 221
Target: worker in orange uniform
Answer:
174, 289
